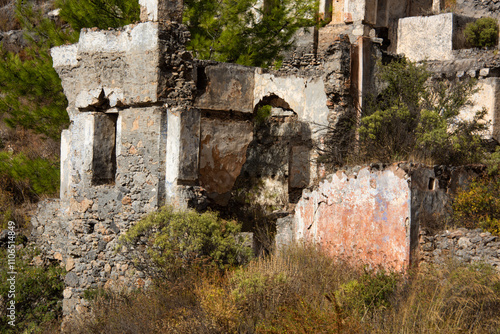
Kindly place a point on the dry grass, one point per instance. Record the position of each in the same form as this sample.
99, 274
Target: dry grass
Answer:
450, 299
301, 290
160, 310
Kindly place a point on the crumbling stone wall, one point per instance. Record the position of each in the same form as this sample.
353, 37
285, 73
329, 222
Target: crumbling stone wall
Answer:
463, 245
122, 88
349, 206
431, 37
151, 125
478, 8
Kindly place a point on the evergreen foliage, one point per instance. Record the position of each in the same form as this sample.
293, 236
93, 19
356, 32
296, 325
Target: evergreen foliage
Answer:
482, 33
240, 32
41, 176
102, 14
32, 94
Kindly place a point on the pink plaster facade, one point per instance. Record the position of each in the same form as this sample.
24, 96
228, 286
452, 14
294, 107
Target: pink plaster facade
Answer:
364, 216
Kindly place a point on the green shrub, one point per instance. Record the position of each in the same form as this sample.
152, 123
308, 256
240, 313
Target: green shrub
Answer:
482, 33
478, 205
370, 292
38, 296
30, 176
263, 114
177, 240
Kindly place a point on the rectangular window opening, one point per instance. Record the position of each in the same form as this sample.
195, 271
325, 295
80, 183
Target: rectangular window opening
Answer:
104, 149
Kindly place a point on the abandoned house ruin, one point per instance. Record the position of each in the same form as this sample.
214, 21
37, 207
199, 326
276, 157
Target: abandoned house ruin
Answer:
151, 125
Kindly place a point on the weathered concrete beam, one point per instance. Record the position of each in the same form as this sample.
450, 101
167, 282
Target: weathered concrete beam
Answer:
225, 87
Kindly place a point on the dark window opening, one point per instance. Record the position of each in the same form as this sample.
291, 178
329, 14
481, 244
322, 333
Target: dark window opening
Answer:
104, 149
201, 79
431, 183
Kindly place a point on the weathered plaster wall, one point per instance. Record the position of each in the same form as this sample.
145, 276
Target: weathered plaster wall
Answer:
305, 96
117, 78
487, 96
426, 38
432, 37
225, 87
376, 214
363, 215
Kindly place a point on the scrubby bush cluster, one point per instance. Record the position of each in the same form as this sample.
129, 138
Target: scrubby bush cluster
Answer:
174, 241
478, 205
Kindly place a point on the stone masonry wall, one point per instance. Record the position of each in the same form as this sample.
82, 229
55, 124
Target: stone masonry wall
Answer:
150, 125
463, 245
114, 154
478, 8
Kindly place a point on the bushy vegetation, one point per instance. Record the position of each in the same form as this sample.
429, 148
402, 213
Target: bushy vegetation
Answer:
478, 205
415, 117
301, 290
482, 33
38, 295
175, 241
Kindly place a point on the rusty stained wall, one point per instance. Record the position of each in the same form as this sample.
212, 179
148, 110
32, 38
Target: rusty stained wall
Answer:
363, 215
223, 150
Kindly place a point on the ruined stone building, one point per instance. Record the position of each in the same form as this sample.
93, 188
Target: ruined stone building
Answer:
150, 125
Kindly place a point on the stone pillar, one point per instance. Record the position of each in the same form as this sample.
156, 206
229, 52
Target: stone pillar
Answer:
182, 154
65, 189
161, 11
437, 6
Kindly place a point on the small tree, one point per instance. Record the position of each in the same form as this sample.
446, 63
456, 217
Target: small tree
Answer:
417, 117
482, 33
